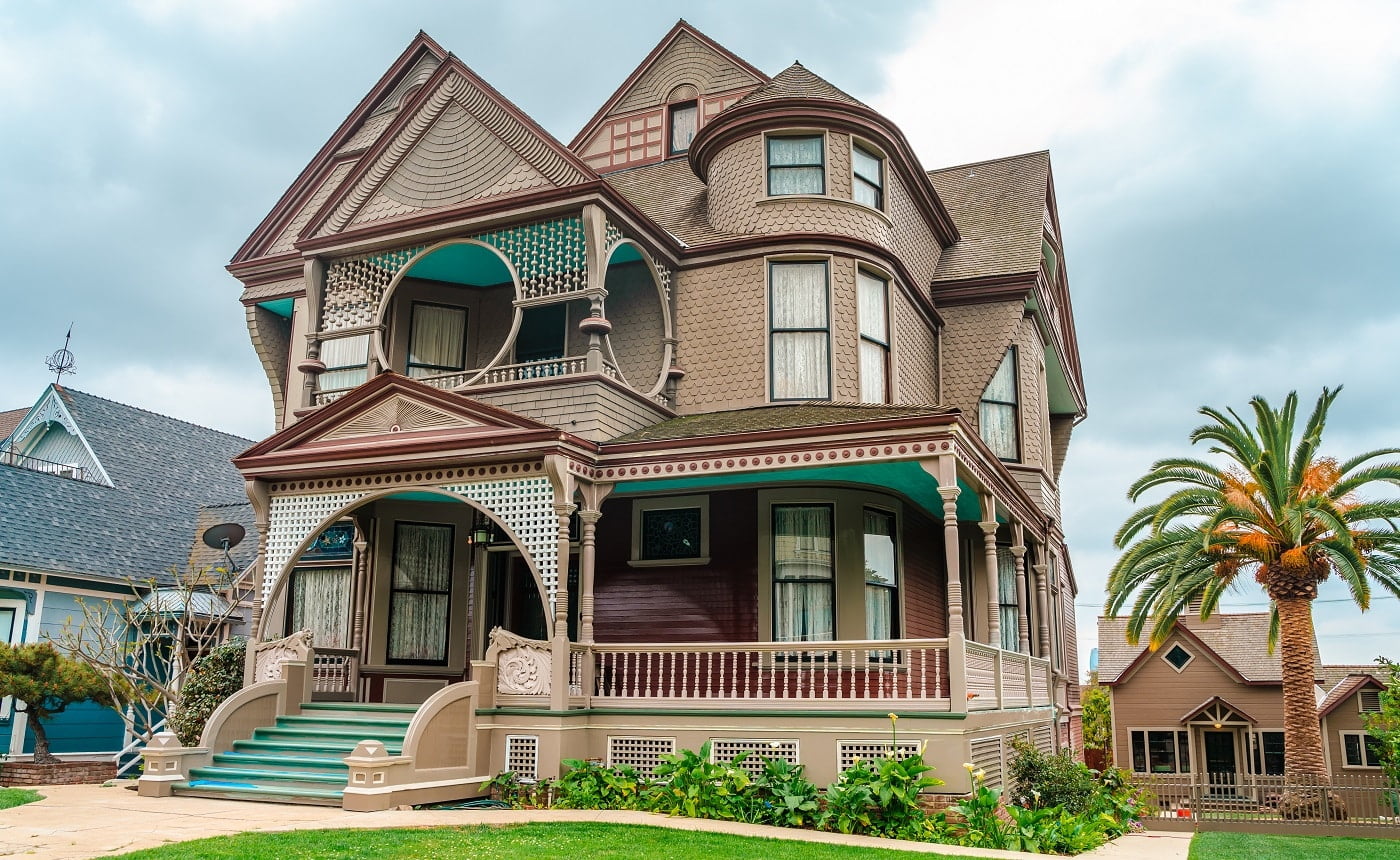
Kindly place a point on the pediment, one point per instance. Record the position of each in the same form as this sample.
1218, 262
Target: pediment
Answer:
397, 413
456, 142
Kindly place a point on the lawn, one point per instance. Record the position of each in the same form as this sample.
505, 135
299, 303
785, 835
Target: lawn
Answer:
518, 842
17, 797
1230, 846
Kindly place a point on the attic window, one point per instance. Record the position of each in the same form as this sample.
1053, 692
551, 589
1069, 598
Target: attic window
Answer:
1178, 657
684, 121
1370, 701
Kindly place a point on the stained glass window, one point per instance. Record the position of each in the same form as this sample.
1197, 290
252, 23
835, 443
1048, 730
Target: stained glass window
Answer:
670, 534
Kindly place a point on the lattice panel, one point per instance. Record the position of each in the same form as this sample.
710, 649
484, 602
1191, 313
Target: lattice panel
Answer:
642, 754
527, 506
523, 756
550, 257
725, 749
849, 752
291, 520
1043, 738
355, 287
987, 757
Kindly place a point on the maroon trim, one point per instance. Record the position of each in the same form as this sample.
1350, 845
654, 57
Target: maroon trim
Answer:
743, 121
391, 453
682, 26
755, 436
1358, 683
990, 288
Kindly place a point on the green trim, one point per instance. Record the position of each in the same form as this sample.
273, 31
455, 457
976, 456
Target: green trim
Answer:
111, 588
281, 307
708, 712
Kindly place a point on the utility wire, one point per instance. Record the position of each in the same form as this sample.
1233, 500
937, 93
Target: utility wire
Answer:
1234, 605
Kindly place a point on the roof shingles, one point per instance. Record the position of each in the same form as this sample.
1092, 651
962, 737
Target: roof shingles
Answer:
999, 207
780, 417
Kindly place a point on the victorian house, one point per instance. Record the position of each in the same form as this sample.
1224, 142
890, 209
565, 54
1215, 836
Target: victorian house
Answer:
726, 422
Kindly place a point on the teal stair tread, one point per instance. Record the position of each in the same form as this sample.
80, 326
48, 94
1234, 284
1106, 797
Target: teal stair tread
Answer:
239, 759
331, 734
310, 747
361, 707
257, 775
371, 723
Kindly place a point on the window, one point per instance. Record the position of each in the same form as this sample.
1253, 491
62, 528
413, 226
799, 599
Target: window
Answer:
800, 341
868, 186
684, 121
345, 359
1268, 753
420, 593
437, 340
796, 165
1010, 614
1361, 750
873, 299
541, 338
1370, 701
1161, 752
1178, 657
804, 580
670, 531
881, 582
997, 411
320, 602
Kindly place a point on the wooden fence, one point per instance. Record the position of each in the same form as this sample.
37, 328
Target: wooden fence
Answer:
1350, 805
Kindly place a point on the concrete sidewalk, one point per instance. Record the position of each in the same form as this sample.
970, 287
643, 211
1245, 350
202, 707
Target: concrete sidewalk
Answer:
76, 821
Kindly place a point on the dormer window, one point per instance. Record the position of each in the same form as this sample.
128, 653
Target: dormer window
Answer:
684, 120
868, 180
998, 410
796, 165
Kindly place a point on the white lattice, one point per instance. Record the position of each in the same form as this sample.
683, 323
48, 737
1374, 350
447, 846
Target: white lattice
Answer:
848, 752
726, 749
355, 287
550, 257
642, 754
526, 505
986, 756
523, 756
291, 520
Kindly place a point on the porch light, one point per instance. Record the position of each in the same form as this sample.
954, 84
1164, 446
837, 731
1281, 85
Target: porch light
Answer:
1217, 725
481, 530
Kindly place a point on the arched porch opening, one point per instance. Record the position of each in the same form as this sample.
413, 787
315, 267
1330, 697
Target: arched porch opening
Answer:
640, 343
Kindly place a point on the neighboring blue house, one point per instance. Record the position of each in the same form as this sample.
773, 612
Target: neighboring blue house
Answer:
96, 496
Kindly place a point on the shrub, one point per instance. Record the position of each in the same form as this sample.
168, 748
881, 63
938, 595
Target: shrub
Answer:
689, 784
781, 795
591, 785
1040, 780
210, 680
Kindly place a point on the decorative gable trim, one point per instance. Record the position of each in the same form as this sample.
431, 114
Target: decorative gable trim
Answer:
397, 414
51, 408
1186, 634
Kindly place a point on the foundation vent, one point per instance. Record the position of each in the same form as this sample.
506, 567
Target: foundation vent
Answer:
523, 756
987, 757
848, 751
1044, 738
726, 749
643, 754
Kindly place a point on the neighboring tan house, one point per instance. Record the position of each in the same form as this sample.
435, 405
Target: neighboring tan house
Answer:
727, 422
1209, 702
97, 501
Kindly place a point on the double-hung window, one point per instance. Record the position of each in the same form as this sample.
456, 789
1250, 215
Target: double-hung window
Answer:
804, 574
1009, 617
998, 412
1161, 752
874, 337
420, 593
796, 165
800, 336
437, 340
320, 602
345, 359
881, 583
1361, 750
868, 180
684, 122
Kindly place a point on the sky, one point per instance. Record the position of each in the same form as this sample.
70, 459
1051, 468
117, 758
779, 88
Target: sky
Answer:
1224, 173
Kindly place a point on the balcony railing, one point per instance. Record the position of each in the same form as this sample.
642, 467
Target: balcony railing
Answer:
999, 679
48, 467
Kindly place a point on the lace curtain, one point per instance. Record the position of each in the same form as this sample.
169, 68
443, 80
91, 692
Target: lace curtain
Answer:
801, 369
795, 165
345, 359
321, 604
438, 340
418, 605
880, 582
803, 574
997, 411
1006, 596
873, 293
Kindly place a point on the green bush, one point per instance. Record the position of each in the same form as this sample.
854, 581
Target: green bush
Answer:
1040, 780
689, 784
590, 785
210, 680
783, 796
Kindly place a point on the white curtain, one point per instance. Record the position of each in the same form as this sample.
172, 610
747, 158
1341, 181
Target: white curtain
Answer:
683, 123
795, 165
437, 341
1006, 596
801, 364
880, 576
869, 181
873, 298
422, 580
803, 574
997, 411
321, 604
345, 359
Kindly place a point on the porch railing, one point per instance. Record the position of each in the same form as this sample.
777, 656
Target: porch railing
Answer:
335, 673
998, 679
549, 367
48, 467
1276, 804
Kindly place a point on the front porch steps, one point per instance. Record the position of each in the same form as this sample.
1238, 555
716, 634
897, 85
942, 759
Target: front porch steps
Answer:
299, 760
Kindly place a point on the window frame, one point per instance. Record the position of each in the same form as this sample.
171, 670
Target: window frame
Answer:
770, 264
671, 110
769, 167
1190, 657
857, 180
1362, 736
774, 580
1013, 632
1258, 757
348, 566
1177, 734
896, 585
1014, 353
670, 503
437, 370
341, 368
394, 591
886, 346
20, 607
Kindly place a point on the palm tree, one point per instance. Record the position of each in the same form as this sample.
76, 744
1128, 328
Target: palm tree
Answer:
1276, 510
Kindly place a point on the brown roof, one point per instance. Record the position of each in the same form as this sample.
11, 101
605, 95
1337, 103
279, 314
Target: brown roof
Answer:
672, 195
797, 82
999, 208
1240, 640
780, 417
10, 420
1331, 676
1345, 689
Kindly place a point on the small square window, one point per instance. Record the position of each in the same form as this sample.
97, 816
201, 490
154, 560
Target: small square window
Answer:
1178, 657
671, 534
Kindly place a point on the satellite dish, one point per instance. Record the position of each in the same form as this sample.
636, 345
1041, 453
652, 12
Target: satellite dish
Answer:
224, 536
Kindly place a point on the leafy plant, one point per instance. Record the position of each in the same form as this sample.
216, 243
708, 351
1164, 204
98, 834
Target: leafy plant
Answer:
1384, 726
1040, 780
689, 784
211, 679
850, 801
1098, 717
881, 797
978, 823
783, 796
44, 683
591, 785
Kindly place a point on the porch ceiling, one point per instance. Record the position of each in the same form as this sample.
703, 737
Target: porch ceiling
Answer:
905, 477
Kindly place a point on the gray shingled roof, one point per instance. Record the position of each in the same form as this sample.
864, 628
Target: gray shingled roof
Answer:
1240, 639
780, 417
162, 469
999, 208
672, 195
797, 82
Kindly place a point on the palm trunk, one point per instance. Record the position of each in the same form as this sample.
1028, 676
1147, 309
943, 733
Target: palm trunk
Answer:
1302, 737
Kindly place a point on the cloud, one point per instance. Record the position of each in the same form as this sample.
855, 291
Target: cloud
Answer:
199, 393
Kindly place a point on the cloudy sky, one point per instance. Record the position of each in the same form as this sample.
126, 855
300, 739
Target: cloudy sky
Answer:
1225, 176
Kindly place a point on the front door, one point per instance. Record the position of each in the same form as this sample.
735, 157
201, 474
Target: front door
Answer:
1220, 761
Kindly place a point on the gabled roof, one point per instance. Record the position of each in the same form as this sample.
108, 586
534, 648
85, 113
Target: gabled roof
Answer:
798, 82
161, 470
9, 421
1215, 700
1344, 690
1236, 641
999, 207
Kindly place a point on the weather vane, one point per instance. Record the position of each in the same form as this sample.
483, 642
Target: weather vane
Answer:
61, 362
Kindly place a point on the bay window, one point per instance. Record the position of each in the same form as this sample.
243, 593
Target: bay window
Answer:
873, 301
420, 593
997, 412
804, 574
799, 331
437, 340
796, 165
868, 177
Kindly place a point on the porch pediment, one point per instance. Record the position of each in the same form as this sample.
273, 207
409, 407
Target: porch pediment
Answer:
1216, 710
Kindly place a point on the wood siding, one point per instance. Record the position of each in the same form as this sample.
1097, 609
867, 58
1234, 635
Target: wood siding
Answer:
925, 586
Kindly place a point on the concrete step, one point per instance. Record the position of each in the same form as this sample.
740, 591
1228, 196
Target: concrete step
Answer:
282, 762
269, 778
243, 791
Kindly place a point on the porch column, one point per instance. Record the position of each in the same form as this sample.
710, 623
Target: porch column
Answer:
259, 496
563, 510
989, 543
587, 557
359, 589
1042, 603
950, 555
1023, 627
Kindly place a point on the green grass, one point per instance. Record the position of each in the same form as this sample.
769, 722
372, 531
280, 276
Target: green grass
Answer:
517, 842
1254, 846
17, 797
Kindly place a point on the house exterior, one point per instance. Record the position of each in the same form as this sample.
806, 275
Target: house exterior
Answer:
98, 500
726, 422
1208, 703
